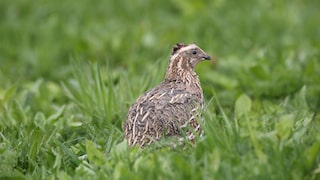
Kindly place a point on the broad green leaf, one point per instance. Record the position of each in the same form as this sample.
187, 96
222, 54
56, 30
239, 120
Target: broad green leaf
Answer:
120, 149
84, 171
222, 80
119, 167
40, 120
95, 156
140, 161
54, 117
284, 126
75, 124
259, 72
243, 105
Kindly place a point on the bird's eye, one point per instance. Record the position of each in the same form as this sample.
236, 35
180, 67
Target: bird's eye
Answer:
194, 52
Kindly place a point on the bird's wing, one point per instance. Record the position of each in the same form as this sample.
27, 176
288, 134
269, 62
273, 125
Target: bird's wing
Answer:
160, 110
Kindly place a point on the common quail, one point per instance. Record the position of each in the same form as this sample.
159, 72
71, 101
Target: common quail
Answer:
174, 106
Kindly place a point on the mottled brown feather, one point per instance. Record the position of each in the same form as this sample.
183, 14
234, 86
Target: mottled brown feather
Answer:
173, 107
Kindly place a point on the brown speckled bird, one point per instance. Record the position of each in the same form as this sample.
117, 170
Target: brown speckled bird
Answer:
173, 107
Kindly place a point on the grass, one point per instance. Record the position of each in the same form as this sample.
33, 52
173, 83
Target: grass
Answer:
69, 72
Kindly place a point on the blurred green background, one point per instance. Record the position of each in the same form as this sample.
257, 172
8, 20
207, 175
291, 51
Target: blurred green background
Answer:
70, 69
265, 48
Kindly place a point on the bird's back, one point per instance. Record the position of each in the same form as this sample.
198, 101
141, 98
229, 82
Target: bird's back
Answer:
165, 110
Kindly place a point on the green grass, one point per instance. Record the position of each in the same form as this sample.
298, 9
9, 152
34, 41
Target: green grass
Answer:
70, 70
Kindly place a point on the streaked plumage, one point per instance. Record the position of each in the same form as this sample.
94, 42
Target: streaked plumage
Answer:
173, 107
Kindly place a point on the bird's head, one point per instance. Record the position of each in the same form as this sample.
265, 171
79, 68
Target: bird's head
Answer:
185, 57
188, 55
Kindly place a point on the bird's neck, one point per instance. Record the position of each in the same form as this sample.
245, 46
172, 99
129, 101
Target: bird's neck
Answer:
181, 72
178, 69
187, 78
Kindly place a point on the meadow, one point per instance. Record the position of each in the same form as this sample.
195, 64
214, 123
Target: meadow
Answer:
70, 70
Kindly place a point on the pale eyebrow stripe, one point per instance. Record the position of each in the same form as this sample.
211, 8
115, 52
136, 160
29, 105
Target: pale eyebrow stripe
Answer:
191, 46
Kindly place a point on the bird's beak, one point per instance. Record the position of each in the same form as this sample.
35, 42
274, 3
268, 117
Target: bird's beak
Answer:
206, 57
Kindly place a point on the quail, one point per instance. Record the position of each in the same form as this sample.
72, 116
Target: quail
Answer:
173, 108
